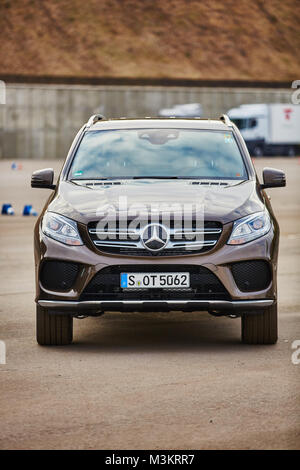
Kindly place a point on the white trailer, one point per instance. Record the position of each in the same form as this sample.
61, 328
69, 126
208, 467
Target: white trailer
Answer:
269, 129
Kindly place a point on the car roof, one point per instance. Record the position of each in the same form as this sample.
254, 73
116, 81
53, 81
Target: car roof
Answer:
169, 123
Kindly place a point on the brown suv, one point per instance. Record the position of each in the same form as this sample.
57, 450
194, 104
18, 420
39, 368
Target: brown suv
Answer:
157, 215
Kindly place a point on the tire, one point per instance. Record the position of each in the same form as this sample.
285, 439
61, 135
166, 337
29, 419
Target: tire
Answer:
53, 330
257, 151
291, 152
261, 328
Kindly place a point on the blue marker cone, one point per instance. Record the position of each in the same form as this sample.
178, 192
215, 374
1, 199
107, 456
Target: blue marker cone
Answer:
13, 166
7, 209
29, 210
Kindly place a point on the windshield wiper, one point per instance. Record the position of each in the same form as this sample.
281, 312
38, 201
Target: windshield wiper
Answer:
113, 178
108, 178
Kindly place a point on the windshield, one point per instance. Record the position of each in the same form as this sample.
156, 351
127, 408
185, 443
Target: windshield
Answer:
138, 153
240, 123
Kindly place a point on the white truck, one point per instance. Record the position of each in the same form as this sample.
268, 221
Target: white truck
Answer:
269, 129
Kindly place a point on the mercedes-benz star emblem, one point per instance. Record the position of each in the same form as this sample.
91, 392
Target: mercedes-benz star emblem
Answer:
155, 237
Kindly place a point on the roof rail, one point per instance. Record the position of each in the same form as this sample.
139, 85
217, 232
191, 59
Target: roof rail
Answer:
95, 118
225, 119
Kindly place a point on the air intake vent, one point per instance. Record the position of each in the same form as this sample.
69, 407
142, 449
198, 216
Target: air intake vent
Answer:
251, 275
58, 275
105, 285
209, 183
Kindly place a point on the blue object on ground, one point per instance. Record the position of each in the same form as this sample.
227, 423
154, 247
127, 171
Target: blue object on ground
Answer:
29, 210
7, 209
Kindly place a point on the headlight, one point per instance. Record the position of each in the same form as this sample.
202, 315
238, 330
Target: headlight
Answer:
61, 229
249, 228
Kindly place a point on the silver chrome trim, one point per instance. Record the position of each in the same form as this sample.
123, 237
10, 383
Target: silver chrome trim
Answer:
212, 304
125, 244
197, 232
133, 238
154, 236
129, 244
173, 231
193, 244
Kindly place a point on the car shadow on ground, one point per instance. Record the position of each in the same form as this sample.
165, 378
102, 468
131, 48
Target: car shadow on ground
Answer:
156, 332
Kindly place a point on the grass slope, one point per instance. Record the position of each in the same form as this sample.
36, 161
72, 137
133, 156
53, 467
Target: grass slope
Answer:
227, 39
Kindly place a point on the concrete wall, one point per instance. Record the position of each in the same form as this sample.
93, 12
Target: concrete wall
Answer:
40, 121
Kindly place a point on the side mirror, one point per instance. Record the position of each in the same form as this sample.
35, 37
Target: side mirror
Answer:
273, 178
43, 179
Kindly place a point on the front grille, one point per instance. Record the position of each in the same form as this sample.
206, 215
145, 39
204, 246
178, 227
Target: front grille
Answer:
251, 275
127, 241
204, 285
58, 275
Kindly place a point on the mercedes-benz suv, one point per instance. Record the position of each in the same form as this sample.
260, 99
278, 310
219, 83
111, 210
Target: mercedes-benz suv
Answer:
157, 215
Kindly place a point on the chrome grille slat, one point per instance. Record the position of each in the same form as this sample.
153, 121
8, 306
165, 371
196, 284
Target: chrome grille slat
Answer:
171, 245
185, 233
192, 244
129, 241
113, 232
138, 231
116, 244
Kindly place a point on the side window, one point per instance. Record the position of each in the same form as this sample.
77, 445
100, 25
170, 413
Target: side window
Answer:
252, 123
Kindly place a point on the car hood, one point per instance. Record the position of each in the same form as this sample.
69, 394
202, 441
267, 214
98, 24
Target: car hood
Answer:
223, 203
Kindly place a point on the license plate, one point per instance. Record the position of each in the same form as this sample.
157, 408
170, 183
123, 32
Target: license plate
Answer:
154, 280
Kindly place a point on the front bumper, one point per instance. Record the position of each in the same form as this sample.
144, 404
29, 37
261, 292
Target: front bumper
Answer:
77, 307
217, 261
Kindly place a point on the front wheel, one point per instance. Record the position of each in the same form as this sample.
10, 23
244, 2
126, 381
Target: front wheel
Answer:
53, 330
261, 328
291, 152
257, 151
